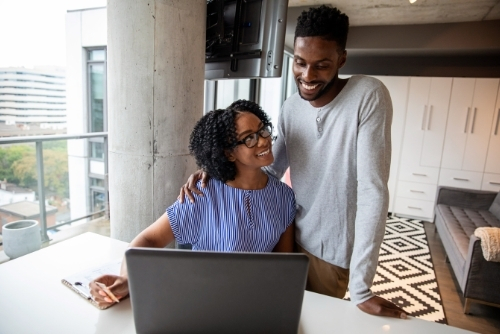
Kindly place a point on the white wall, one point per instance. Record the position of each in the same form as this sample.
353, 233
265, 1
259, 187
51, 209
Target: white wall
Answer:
7, 197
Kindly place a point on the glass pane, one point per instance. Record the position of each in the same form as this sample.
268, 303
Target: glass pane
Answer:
18, 182
56, 177
97, 201
229, 91
270, 97
291, 86
97, 55
95, 182
97, 150
97, 91
19, 194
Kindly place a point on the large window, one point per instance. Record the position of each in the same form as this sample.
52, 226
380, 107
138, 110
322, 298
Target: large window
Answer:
229, 91
270, 93
274, 91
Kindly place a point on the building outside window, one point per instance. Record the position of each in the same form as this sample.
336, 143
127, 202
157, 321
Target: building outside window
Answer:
96, 68
86, 90
97, 112
97, 193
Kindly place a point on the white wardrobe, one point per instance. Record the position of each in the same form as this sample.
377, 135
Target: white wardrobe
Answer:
446, 132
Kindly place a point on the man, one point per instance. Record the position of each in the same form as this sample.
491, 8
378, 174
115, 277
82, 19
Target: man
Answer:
335, 137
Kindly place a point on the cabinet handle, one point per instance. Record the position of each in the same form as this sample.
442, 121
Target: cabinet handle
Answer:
416, 191
495, 183
473, 121
423, 117
414, 207
429, 119
460, 179
498, 117
466, 120
418, 174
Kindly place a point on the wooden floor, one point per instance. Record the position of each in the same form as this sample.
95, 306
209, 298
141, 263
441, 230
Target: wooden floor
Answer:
484, 319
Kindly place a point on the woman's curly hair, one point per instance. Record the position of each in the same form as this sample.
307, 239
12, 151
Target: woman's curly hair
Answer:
326, 22
215, 134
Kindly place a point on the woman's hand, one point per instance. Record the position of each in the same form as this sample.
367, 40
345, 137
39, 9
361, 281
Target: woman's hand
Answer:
117, 284
190, 186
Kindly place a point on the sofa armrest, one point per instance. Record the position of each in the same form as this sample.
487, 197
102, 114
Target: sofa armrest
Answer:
465, 198
481, 277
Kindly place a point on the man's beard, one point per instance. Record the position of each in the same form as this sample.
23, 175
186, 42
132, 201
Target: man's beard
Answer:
322, 92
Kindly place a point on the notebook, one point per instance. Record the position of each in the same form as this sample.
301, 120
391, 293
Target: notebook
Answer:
79, 282
182, 291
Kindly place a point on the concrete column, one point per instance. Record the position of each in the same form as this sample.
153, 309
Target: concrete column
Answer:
156, 52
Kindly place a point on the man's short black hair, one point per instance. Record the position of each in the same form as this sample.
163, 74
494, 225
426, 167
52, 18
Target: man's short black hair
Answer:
325, 22
215, 134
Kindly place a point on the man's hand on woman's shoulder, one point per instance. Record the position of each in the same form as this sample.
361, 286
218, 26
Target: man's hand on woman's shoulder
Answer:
190, 186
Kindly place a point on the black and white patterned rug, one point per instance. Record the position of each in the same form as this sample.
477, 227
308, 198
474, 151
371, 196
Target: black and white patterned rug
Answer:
405, 274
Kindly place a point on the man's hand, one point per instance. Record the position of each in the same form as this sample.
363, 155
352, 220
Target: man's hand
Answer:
190, 186
379, 306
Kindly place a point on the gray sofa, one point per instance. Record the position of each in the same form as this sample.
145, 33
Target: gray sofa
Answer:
458, 213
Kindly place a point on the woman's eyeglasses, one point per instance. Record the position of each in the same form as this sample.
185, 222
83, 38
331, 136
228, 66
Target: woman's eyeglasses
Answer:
252, 139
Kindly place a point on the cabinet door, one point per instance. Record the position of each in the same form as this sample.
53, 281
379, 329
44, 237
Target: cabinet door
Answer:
398, 88
491, 182
493, 156
482, 109
458, 123
435, 122
416, 115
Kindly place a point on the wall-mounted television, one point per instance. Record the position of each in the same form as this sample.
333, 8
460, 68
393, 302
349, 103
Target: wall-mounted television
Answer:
245, 38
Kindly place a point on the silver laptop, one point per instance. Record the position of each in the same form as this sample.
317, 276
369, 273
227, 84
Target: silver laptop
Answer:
182, 291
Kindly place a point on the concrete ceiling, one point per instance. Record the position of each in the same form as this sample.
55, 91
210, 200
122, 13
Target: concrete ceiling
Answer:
397, 27
402, 12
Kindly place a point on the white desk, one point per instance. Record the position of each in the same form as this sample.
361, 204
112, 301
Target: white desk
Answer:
33, 299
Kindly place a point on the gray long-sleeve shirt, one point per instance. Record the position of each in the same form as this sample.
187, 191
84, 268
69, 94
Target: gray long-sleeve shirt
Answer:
339, 158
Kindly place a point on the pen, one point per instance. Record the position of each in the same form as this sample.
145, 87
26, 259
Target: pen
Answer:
107, 291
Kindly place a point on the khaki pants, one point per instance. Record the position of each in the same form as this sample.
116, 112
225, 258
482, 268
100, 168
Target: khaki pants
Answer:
325, 278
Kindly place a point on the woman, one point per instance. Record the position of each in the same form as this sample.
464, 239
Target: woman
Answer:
241, 208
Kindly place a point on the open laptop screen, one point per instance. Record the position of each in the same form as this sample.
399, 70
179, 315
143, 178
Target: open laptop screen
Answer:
179, 291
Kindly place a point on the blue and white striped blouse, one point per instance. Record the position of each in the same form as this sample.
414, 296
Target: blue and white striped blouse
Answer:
228, 219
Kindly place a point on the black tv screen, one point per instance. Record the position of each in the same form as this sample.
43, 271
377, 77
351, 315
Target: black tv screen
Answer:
245, 38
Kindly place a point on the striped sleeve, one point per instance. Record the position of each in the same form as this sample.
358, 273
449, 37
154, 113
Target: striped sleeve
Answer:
186, 219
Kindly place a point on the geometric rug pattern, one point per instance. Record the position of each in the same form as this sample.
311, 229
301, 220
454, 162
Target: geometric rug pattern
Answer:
405, 274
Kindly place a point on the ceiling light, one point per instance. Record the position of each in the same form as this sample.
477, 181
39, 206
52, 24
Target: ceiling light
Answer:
413, 1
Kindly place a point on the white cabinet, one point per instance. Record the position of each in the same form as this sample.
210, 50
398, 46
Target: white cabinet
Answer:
451, 138
424, 134
469, 123
493, 158
426, 115
398, 88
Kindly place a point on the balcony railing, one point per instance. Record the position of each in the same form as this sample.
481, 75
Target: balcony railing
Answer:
39, 140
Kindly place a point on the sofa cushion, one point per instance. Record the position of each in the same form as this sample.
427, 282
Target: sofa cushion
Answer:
461, 223
495, 206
